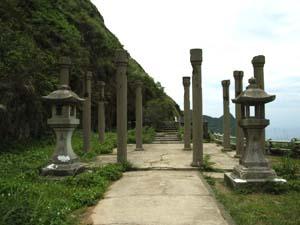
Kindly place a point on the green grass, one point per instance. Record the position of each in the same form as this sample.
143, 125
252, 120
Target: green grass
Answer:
273, 205
148, 135
107, 147
26, 198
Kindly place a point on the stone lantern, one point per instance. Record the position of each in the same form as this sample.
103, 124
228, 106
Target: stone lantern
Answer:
253, 168
64, 104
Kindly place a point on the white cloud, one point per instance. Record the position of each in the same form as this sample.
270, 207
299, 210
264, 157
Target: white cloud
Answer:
159, 34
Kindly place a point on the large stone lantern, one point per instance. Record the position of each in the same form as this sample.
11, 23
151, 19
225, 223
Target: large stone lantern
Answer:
253, 167
64, 104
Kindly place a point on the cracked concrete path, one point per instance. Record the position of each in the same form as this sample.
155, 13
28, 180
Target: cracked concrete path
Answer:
159, 197
170, 156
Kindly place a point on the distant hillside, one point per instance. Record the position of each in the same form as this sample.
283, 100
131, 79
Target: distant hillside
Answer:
33, 35
216, 124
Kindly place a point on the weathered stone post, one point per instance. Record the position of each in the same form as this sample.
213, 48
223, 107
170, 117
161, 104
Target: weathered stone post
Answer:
86, 122
205, 130
63, 121
258, 63
101, 112
253, 168
139, 116
121, 60
196, 61
187, 114
238, 78
226, 116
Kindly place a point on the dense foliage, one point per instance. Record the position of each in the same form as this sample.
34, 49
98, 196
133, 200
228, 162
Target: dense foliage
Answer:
148, 135
33, 35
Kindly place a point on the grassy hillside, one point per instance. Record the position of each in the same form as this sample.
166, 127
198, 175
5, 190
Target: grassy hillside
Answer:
33, 35
216, 124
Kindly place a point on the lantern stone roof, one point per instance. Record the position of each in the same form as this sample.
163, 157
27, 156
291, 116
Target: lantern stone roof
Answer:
253, 94
63, 95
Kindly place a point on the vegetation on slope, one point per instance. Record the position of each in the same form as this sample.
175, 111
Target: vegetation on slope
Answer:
27, 198
33, 35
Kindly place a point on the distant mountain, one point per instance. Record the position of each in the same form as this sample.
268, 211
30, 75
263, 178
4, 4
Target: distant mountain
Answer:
216, 124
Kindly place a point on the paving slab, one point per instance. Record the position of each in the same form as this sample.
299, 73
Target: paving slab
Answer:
170, 156
158, 198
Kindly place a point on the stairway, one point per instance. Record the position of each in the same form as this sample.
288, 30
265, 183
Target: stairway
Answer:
167, 136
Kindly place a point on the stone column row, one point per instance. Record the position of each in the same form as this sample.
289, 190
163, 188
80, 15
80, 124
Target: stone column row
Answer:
187, 114
238, 80
226, 116
258, 66
121, 60
86, 122
258, 63
101, 112
139, 116
196, 61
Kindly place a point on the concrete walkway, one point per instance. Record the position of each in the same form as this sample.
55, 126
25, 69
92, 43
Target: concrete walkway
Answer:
156, 196
170, 156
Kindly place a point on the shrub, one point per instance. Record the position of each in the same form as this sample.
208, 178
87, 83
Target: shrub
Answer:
148, 135
207, 164
288, 168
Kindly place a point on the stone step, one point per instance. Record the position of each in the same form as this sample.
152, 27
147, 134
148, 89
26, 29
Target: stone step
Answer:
166, 138
166, 142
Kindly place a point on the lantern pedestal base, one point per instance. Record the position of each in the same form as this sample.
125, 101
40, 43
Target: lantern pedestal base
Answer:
139, 149
243, 177
63, 169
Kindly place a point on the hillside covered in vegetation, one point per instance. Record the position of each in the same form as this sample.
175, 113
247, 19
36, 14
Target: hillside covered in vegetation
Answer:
216, 124
33, 35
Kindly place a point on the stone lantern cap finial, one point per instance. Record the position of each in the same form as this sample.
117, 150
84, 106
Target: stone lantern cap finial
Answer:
253, 94
225, 83
121, 56
258, 60
186, 81
196, 55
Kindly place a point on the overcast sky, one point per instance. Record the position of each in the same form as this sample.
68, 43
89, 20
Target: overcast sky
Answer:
160, 33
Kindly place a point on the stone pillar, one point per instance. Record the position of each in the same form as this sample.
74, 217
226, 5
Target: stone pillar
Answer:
121, 60
187, 113
139, 116
101, 113
86, 122
238, 79
258, 63
65, 63
226, 116
196, 61
205, 130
